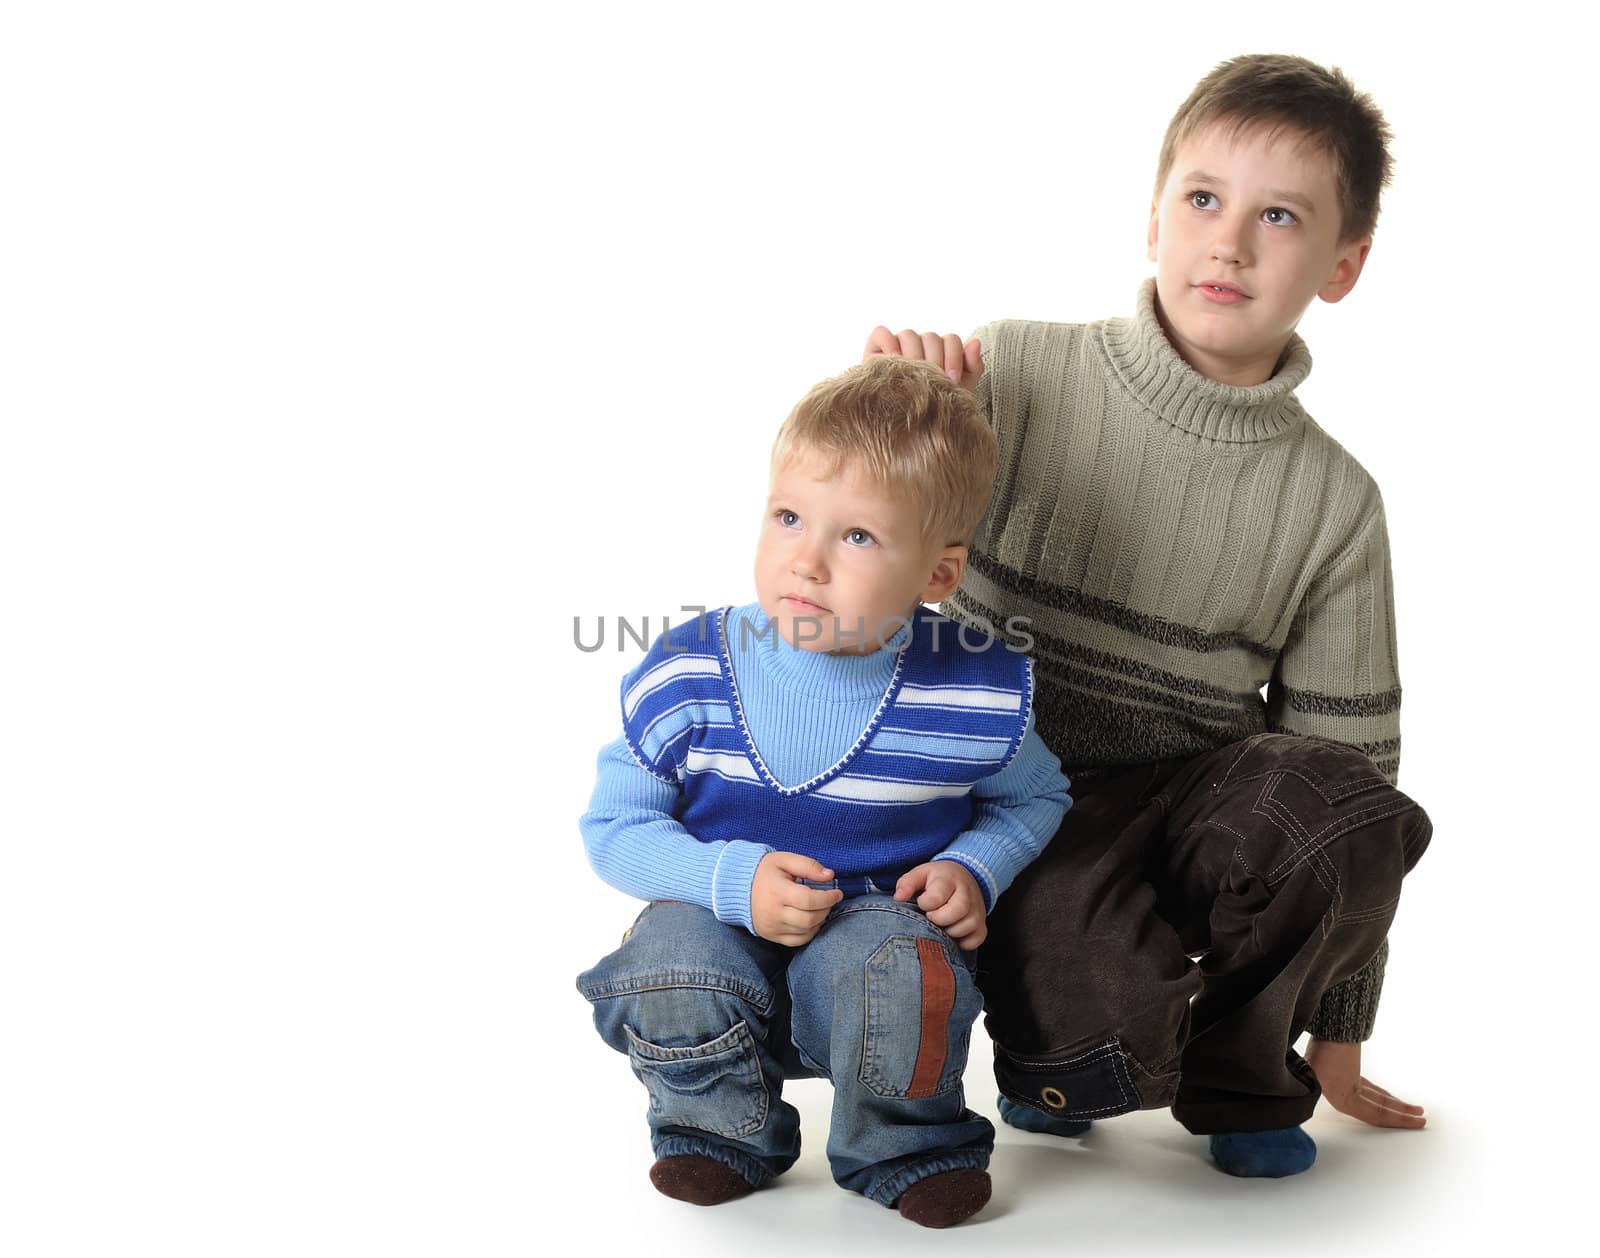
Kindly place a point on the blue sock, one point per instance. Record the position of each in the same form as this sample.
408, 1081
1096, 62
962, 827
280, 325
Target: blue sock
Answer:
1268, 1154
1029, 1119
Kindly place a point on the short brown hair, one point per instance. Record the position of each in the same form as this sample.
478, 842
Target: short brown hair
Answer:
1291, 93
908, 427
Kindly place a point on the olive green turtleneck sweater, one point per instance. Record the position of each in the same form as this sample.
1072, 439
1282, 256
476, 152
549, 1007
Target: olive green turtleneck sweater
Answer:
1178, 544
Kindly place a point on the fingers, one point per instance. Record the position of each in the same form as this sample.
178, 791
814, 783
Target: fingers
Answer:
881, 341
969, 932
949, 896
798, 866
1377, 1115
962, 363
943, 351
784, 910
797, 919
954, 357
1381, 1109
794, 895
792, 937
954, 904
911, 882
1388, 1097
1370, 1104
791, 926
961, 917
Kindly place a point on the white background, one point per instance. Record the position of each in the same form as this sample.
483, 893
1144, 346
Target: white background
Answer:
350, 352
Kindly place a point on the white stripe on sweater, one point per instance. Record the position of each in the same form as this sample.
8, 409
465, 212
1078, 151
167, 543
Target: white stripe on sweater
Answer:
684, 717
929, 733
989, 698
666, 671
865, 790
728, 764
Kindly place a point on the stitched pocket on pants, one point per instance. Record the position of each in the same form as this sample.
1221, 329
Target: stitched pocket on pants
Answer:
919, 1019
715, 1086
1095, 1083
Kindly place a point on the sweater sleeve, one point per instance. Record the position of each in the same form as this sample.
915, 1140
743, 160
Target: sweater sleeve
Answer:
1338, 677
1016, 812
1338, 674
635, 842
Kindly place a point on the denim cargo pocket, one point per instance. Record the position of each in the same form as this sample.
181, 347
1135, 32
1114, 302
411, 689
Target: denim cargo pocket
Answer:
920, 1009
715, 1086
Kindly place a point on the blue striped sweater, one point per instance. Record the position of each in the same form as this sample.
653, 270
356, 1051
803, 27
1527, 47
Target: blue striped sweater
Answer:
923, 750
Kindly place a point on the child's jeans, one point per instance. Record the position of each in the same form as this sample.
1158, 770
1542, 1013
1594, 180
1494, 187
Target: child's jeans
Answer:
713, 1019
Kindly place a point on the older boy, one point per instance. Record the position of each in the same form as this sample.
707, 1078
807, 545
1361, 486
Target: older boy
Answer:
791, 774
1180, 534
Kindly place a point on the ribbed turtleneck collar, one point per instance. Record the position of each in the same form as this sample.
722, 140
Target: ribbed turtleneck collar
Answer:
817, 674
1157, 375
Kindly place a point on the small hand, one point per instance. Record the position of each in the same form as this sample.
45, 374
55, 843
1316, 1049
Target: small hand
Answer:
783, 910
949, 895
962, 363
1338, 1070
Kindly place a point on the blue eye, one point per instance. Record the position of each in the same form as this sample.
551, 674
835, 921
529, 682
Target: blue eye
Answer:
1285, 221
786, 518
866, 538
1197, 196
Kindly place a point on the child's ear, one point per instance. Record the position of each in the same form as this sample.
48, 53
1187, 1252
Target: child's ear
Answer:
1346, 270
1155, 228
948, 569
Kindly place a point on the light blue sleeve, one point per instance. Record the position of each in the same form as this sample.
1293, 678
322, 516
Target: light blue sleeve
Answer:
1016, 812
636, 843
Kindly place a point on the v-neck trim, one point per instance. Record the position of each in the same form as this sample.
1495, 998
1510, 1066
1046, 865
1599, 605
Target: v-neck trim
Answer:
725, 661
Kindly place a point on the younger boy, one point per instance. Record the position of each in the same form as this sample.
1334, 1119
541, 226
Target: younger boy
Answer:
1180, 533
791, 776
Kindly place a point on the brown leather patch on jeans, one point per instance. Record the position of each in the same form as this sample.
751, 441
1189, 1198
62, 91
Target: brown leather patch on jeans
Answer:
938, 999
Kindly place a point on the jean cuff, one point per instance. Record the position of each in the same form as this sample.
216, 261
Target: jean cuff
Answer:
750, 1167
887, 1190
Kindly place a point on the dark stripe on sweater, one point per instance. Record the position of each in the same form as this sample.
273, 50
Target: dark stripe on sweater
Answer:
965, 604
1152, 628
1383, 747
1099, 683
1314, 703
1384, 753
1091, 732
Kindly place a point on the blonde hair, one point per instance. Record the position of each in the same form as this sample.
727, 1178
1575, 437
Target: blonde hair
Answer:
908, 427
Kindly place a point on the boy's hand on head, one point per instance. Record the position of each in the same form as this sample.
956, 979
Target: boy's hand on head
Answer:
962, 363
1338, 1070
948, 893
783, 910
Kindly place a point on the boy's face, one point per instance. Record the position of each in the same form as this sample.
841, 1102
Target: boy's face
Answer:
1258, 218
839, 553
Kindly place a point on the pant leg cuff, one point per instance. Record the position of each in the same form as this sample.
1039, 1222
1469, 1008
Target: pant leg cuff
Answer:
887, 1190
752, 1169
1083, 1083
1221, 1118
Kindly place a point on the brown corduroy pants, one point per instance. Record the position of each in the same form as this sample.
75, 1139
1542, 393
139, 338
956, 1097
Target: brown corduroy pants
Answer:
1276, 861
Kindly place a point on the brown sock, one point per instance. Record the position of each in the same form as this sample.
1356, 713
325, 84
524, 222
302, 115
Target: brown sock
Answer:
945, 1198
699, 1180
